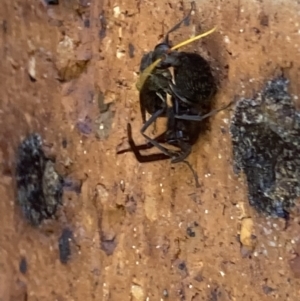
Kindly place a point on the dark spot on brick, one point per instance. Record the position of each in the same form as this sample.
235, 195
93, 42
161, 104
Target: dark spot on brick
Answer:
267, 289
39, 186
64, 245
52, 2
256, 30
199, 277
85, 127
264, 19
103, 25
4, 26
190, 232
265, 133
72, 185
23, 265
64, 143
108, 245
295, 266
86, 23
182, 266
215, 294
131, 50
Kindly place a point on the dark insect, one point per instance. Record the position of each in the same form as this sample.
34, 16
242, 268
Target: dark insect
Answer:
266, 147
153, 93
39, 187
64, 245
191, 97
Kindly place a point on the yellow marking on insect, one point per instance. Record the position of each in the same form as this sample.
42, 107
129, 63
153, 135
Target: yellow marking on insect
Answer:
144, 75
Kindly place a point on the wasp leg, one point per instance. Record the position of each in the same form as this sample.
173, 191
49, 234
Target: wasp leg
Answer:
152, 119
135, 149
194, 173
175, 93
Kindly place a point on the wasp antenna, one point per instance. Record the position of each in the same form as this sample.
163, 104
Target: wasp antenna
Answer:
141, 81
176, 26
186, 42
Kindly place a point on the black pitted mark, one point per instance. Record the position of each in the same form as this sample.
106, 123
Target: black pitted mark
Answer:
265, 132
39, 186
64, 245
131, 50
103, 25
182, 266
23, 265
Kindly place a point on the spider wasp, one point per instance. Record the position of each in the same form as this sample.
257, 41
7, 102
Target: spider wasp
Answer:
191, 96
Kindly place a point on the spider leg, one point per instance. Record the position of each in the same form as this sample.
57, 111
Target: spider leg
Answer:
164, 150
135, 149
151, 120
151, 142
194, 173
174, 91
160, 138
200, 118
185, 150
